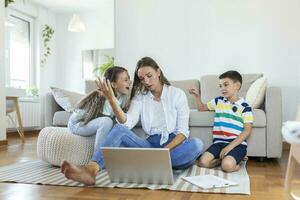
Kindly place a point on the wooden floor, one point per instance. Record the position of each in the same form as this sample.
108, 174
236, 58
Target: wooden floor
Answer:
267, 179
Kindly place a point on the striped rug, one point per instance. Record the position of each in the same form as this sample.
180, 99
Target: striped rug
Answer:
38, 172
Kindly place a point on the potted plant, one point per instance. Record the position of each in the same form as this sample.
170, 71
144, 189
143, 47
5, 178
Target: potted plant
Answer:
33, 91
101, 69
7, 2
47, 35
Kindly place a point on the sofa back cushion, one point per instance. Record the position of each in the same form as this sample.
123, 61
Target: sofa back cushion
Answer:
185, 85
210, 85
256, 93
90, 85
66, 99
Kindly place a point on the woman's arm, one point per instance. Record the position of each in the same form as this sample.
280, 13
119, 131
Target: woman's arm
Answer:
182, 121
176, 141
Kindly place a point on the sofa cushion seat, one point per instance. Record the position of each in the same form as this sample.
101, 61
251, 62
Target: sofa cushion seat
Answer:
206, 118
61, 118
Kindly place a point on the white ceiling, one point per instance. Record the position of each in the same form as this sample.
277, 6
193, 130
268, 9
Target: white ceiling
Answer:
64, 6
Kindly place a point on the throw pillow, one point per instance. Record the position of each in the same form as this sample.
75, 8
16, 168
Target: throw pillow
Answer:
65, 99
256, 92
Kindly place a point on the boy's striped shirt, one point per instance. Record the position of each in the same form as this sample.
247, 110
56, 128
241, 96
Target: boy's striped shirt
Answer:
229, 118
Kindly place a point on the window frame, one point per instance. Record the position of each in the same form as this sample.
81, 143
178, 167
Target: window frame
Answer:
32, 65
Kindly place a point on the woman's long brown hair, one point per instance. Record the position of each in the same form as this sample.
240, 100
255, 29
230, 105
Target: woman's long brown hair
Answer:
137, 85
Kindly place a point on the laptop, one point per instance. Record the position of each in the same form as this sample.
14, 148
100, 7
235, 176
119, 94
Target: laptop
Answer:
138, 165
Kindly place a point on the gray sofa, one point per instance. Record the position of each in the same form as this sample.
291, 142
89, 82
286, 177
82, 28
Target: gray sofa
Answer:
265, 139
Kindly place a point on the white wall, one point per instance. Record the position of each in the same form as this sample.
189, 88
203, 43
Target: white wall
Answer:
99, 34
45, 75
2, 75
191, 38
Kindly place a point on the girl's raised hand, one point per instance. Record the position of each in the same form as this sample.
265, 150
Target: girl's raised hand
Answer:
105, 87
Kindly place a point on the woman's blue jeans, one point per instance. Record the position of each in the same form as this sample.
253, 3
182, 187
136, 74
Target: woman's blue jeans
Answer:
182, 156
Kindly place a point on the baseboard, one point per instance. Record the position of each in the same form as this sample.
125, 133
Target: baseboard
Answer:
3, 142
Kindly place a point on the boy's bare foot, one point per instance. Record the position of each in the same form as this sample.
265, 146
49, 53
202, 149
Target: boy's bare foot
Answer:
245, 158
84, 174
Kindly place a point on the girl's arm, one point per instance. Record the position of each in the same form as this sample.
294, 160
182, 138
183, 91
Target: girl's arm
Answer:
106, 90
132, 117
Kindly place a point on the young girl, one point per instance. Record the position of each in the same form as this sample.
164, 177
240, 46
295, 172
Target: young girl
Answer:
93, 114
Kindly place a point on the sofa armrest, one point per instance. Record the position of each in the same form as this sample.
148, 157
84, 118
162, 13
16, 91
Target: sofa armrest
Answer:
273, 109
50, 108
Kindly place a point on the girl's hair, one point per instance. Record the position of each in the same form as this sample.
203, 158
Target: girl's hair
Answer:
93, 102
137, 85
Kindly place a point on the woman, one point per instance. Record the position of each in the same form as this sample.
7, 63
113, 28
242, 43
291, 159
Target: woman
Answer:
164, 115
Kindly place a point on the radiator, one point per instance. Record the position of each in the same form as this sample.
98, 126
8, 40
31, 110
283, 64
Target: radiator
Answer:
30, 114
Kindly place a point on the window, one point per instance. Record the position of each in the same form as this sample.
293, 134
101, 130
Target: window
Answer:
20, 71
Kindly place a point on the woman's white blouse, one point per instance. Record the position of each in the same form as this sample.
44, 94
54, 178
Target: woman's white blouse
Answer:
175, 107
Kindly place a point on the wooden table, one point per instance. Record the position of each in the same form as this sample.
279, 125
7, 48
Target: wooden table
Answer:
16, 108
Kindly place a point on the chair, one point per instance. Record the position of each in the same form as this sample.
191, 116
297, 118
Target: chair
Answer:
294, 159
12, 105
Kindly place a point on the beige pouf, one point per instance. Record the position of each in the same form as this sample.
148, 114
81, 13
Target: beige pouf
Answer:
56, 144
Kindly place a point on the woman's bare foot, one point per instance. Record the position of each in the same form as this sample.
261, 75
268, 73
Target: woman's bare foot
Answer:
84, 174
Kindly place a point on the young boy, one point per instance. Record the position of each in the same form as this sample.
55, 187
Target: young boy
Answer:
232, 124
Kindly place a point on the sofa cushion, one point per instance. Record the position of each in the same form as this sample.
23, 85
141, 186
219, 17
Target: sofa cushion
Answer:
65, 99
90, 85
207, 118
61, 118
256, 93
185, 85
209, 86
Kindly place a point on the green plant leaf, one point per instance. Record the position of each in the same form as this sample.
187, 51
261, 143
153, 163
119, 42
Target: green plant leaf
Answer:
47, 34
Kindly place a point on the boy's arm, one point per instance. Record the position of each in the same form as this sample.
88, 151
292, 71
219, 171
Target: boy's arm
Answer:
242, 137
200, 105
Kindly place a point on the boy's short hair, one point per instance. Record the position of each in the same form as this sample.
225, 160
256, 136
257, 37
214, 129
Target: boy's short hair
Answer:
233, 75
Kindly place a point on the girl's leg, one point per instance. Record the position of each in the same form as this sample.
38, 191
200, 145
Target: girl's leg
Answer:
184, 155
105, 124
87, 174
84, 174
91, 127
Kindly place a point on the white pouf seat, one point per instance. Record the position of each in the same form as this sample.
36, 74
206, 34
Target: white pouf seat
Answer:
56, 144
